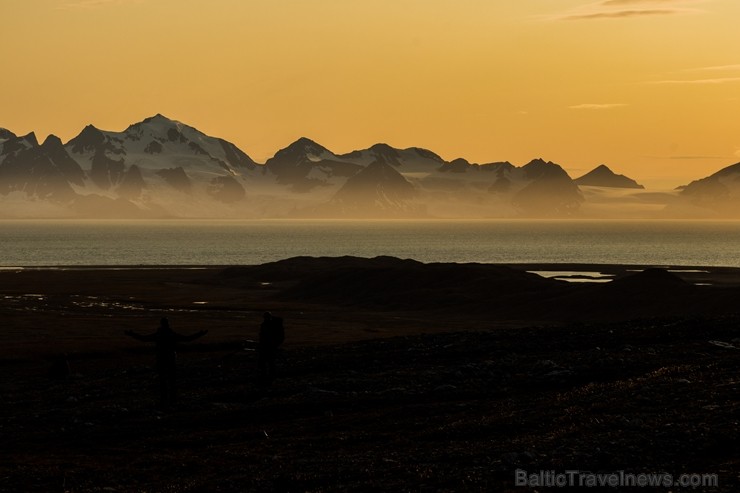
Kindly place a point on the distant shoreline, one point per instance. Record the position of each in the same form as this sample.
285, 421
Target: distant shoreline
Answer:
683, 271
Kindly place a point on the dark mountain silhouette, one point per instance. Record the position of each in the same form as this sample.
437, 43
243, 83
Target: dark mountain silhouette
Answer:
551, 192
412, 159
647, 281
376, 189
719, 192
461, 165
458, 165
6, 134
602, 176
390, 283
55, 151
40, 171
305, 165
90, 139
499, 292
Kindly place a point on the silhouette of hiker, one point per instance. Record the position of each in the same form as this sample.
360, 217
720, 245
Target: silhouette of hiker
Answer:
271, 337
165, 344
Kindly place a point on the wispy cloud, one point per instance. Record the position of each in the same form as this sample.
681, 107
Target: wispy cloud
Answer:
618, 14
593, 106
714, 68
719, 80
683, 158
619, 3
622, 9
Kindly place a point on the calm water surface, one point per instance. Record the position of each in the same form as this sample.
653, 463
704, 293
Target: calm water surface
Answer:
187, 242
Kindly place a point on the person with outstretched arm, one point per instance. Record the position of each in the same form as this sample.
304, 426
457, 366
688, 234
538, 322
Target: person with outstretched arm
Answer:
165, 343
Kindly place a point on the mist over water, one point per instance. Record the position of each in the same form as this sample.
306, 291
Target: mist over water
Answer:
188, 242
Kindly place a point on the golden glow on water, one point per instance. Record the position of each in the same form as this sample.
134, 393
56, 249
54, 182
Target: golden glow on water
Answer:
652, 90
207, 242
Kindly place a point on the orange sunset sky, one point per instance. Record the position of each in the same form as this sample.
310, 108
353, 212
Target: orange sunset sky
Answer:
649, 87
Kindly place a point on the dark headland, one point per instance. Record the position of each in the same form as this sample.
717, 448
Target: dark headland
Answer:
394, 376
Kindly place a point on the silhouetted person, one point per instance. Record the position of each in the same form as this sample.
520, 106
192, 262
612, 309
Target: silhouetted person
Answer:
271, 337
165, 343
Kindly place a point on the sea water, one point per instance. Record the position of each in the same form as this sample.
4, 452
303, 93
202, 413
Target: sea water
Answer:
214, 242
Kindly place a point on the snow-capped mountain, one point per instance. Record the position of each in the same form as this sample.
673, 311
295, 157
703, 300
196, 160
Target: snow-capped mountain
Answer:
162, 167
40, 171
160, 152
413, 160
305, 165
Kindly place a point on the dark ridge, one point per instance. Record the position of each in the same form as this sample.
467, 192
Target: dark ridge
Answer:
379, 185
648, 280
602, 176
106, 172
55, 151
31, 139
458, 165
551, 192
426, 153
88, 140
236, 157
6, 134
157, 117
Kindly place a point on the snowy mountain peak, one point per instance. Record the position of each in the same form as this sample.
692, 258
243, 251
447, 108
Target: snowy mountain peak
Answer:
303, 149
158, 118
157, 126
307, 146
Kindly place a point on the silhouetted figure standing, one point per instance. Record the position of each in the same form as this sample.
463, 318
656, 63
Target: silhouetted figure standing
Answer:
165, 343
271, 337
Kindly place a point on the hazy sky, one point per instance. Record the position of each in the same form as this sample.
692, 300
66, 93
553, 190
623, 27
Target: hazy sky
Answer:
649, 87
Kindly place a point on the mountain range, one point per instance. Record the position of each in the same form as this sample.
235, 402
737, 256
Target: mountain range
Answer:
163, 168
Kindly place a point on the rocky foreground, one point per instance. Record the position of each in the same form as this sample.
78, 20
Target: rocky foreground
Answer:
455, 411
